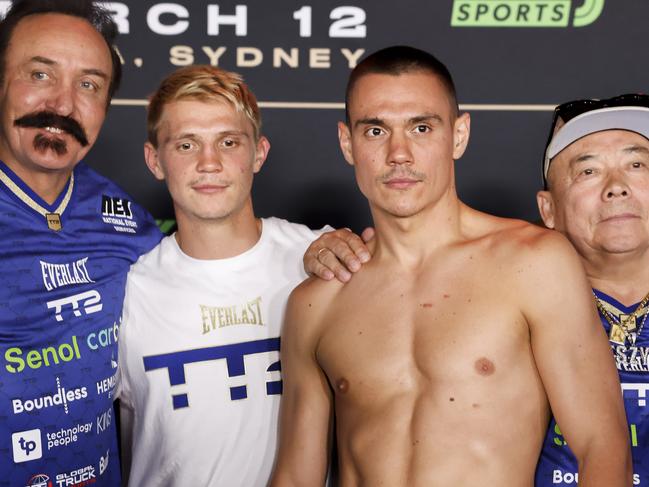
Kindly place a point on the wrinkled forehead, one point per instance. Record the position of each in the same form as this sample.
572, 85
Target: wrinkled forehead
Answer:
52, 34
606, 146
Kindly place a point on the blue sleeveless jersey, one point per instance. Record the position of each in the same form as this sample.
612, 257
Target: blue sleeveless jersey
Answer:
557, 465
61, 295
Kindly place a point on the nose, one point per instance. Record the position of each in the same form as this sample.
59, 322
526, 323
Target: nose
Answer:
61, 99
399, 149
616, 187
209, 160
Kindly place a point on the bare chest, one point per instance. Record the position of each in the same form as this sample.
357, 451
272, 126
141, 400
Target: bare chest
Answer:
402, 335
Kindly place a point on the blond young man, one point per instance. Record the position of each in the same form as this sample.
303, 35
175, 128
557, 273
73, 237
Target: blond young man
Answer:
199, 347
440, 358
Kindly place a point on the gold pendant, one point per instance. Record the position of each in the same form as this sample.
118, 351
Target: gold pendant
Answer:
53, 221
617, 334
627, 322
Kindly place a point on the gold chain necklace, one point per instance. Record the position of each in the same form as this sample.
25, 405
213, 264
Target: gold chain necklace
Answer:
623, 326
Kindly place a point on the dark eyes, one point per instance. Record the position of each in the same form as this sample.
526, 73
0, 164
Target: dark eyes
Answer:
229, 143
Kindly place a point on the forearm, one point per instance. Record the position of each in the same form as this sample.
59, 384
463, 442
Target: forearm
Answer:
284, 477
606, 465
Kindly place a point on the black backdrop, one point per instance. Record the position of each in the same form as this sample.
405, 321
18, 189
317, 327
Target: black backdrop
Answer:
512, 60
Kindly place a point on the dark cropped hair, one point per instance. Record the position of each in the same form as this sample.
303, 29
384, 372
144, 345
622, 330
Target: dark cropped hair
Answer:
97, 16
398, 60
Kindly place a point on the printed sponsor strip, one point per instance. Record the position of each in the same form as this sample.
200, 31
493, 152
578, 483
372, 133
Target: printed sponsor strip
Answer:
487, 107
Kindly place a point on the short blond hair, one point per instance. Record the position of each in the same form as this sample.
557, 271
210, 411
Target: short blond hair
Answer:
202, 83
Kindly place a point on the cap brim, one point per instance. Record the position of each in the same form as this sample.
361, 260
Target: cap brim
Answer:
635, 119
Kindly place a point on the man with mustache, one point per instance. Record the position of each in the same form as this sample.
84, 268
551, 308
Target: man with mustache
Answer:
596, 177
69, 237
442, 356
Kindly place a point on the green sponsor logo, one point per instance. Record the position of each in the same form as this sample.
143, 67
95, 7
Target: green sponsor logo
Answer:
166, 226
17, 358
559, 441
524, 13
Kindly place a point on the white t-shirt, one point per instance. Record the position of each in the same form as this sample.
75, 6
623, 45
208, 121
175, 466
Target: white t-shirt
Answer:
199, 360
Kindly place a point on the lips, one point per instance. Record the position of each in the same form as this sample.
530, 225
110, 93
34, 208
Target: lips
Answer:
620, 215
209, 187
401, 183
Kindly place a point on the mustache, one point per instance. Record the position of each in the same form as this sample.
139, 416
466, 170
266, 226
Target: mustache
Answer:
208, 181
401, 172
44, 119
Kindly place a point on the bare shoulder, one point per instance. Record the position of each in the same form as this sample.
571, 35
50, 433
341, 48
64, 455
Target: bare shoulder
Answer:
518, 241
539, 246
308, 304
539, 263
315, 292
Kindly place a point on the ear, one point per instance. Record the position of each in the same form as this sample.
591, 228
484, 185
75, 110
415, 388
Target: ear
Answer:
345, 139
546, 208
153, 161
461, 132
261, 153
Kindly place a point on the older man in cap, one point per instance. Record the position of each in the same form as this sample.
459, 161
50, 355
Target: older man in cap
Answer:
596, 175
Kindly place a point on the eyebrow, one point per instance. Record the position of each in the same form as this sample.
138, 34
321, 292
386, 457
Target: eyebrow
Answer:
636, 148
433, 117
195, 136
88, 71
43, 60
581, 158
632, 149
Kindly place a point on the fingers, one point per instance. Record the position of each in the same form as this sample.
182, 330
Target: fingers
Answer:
314, 268
332, 263
367, 234
358, 247
336, 254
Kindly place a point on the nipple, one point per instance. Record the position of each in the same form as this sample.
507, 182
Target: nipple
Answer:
484, 366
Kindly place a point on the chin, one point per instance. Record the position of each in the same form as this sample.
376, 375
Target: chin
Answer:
623, 244
51, 161
403, 211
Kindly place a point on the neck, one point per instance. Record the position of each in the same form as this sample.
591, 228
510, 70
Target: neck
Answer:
46, 184
412, 240
624, 277
211, 239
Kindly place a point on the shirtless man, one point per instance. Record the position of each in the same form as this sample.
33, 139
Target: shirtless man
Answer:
440, 358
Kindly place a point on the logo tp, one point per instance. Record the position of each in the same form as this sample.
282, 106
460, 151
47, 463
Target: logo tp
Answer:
90, 303
27, 445
524, 13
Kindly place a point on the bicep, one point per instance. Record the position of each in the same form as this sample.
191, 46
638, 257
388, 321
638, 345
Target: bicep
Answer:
572, 354
306, 405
